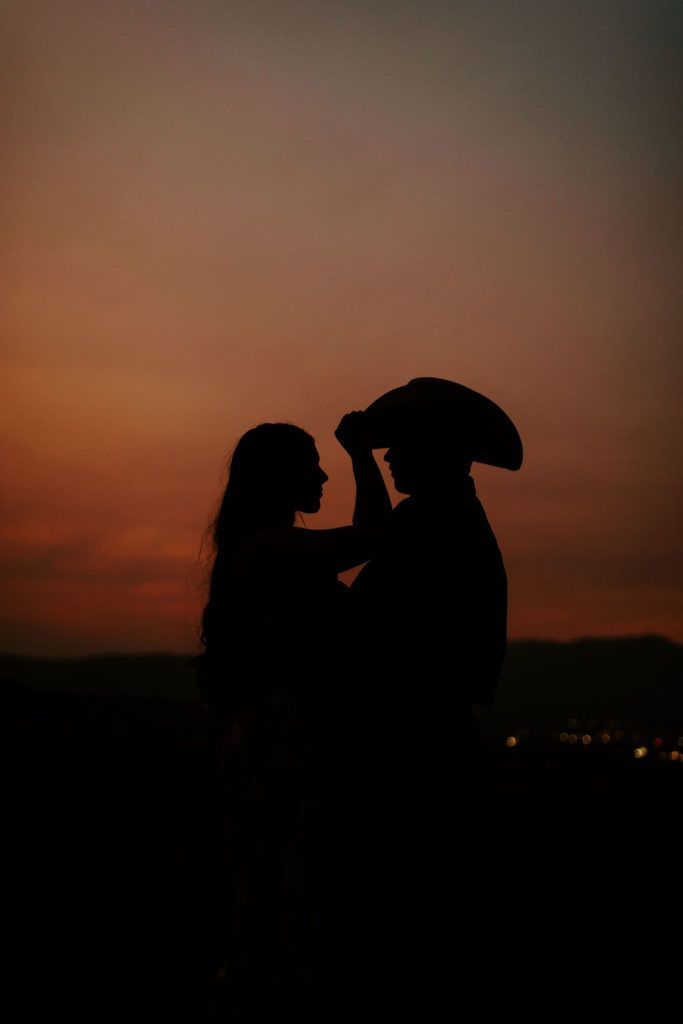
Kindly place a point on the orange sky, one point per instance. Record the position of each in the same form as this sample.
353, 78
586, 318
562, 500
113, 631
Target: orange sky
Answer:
218, 214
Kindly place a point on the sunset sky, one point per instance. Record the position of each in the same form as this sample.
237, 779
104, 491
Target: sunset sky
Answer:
219, 213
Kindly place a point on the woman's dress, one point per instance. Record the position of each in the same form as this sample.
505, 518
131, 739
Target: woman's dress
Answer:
283, 668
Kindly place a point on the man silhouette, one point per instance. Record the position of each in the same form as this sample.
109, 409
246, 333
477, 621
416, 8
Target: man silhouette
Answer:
432, 605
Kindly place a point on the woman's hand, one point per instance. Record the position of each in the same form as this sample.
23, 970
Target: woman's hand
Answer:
352, 434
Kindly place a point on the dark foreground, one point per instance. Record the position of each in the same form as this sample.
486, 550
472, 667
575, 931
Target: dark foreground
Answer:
115, 869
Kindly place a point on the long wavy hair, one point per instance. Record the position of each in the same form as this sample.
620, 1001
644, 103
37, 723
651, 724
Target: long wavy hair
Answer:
257, 497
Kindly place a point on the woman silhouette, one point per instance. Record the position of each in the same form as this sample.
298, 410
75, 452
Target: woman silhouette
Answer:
274, 630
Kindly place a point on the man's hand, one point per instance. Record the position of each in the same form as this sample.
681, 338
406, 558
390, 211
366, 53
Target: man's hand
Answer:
352, 434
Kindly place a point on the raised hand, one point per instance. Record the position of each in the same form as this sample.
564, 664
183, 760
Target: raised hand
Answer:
352, 433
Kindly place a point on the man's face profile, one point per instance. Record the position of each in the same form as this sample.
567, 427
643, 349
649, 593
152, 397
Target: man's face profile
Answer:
421, 461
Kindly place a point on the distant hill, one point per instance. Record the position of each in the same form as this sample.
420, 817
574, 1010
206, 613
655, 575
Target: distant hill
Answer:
164, 676
636, 680
630, 679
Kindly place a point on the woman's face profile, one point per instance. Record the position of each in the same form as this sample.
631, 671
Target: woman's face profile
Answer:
307, 479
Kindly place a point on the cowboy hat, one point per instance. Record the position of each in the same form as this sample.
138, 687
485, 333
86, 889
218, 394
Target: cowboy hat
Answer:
433, 406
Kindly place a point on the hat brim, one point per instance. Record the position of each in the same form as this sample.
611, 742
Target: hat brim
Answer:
431, 406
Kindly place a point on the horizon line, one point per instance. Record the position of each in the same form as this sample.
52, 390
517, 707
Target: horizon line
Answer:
585, 638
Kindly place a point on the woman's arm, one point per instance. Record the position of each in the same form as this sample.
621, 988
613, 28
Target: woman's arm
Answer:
291, 548
373, 506
338, 549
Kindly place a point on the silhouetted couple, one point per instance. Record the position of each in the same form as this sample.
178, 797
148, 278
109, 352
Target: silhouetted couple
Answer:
351, 746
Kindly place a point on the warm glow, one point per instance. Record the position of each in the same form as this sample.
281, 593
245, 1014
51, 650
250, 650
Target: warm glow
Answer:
640, 752
218, 214
586, 739
511, 741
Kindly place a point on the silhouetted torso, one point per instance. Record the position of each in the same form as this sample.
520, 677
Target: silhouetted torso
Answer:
435, 598
432, 608
275, 617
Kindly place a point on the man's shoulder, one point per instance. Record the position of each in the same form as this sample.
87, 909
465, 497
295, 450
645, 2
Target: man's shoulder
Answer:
442, 519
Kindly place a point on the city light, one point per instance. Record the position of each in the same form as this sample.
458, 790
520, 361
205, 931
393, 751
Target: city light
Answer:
638, 743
